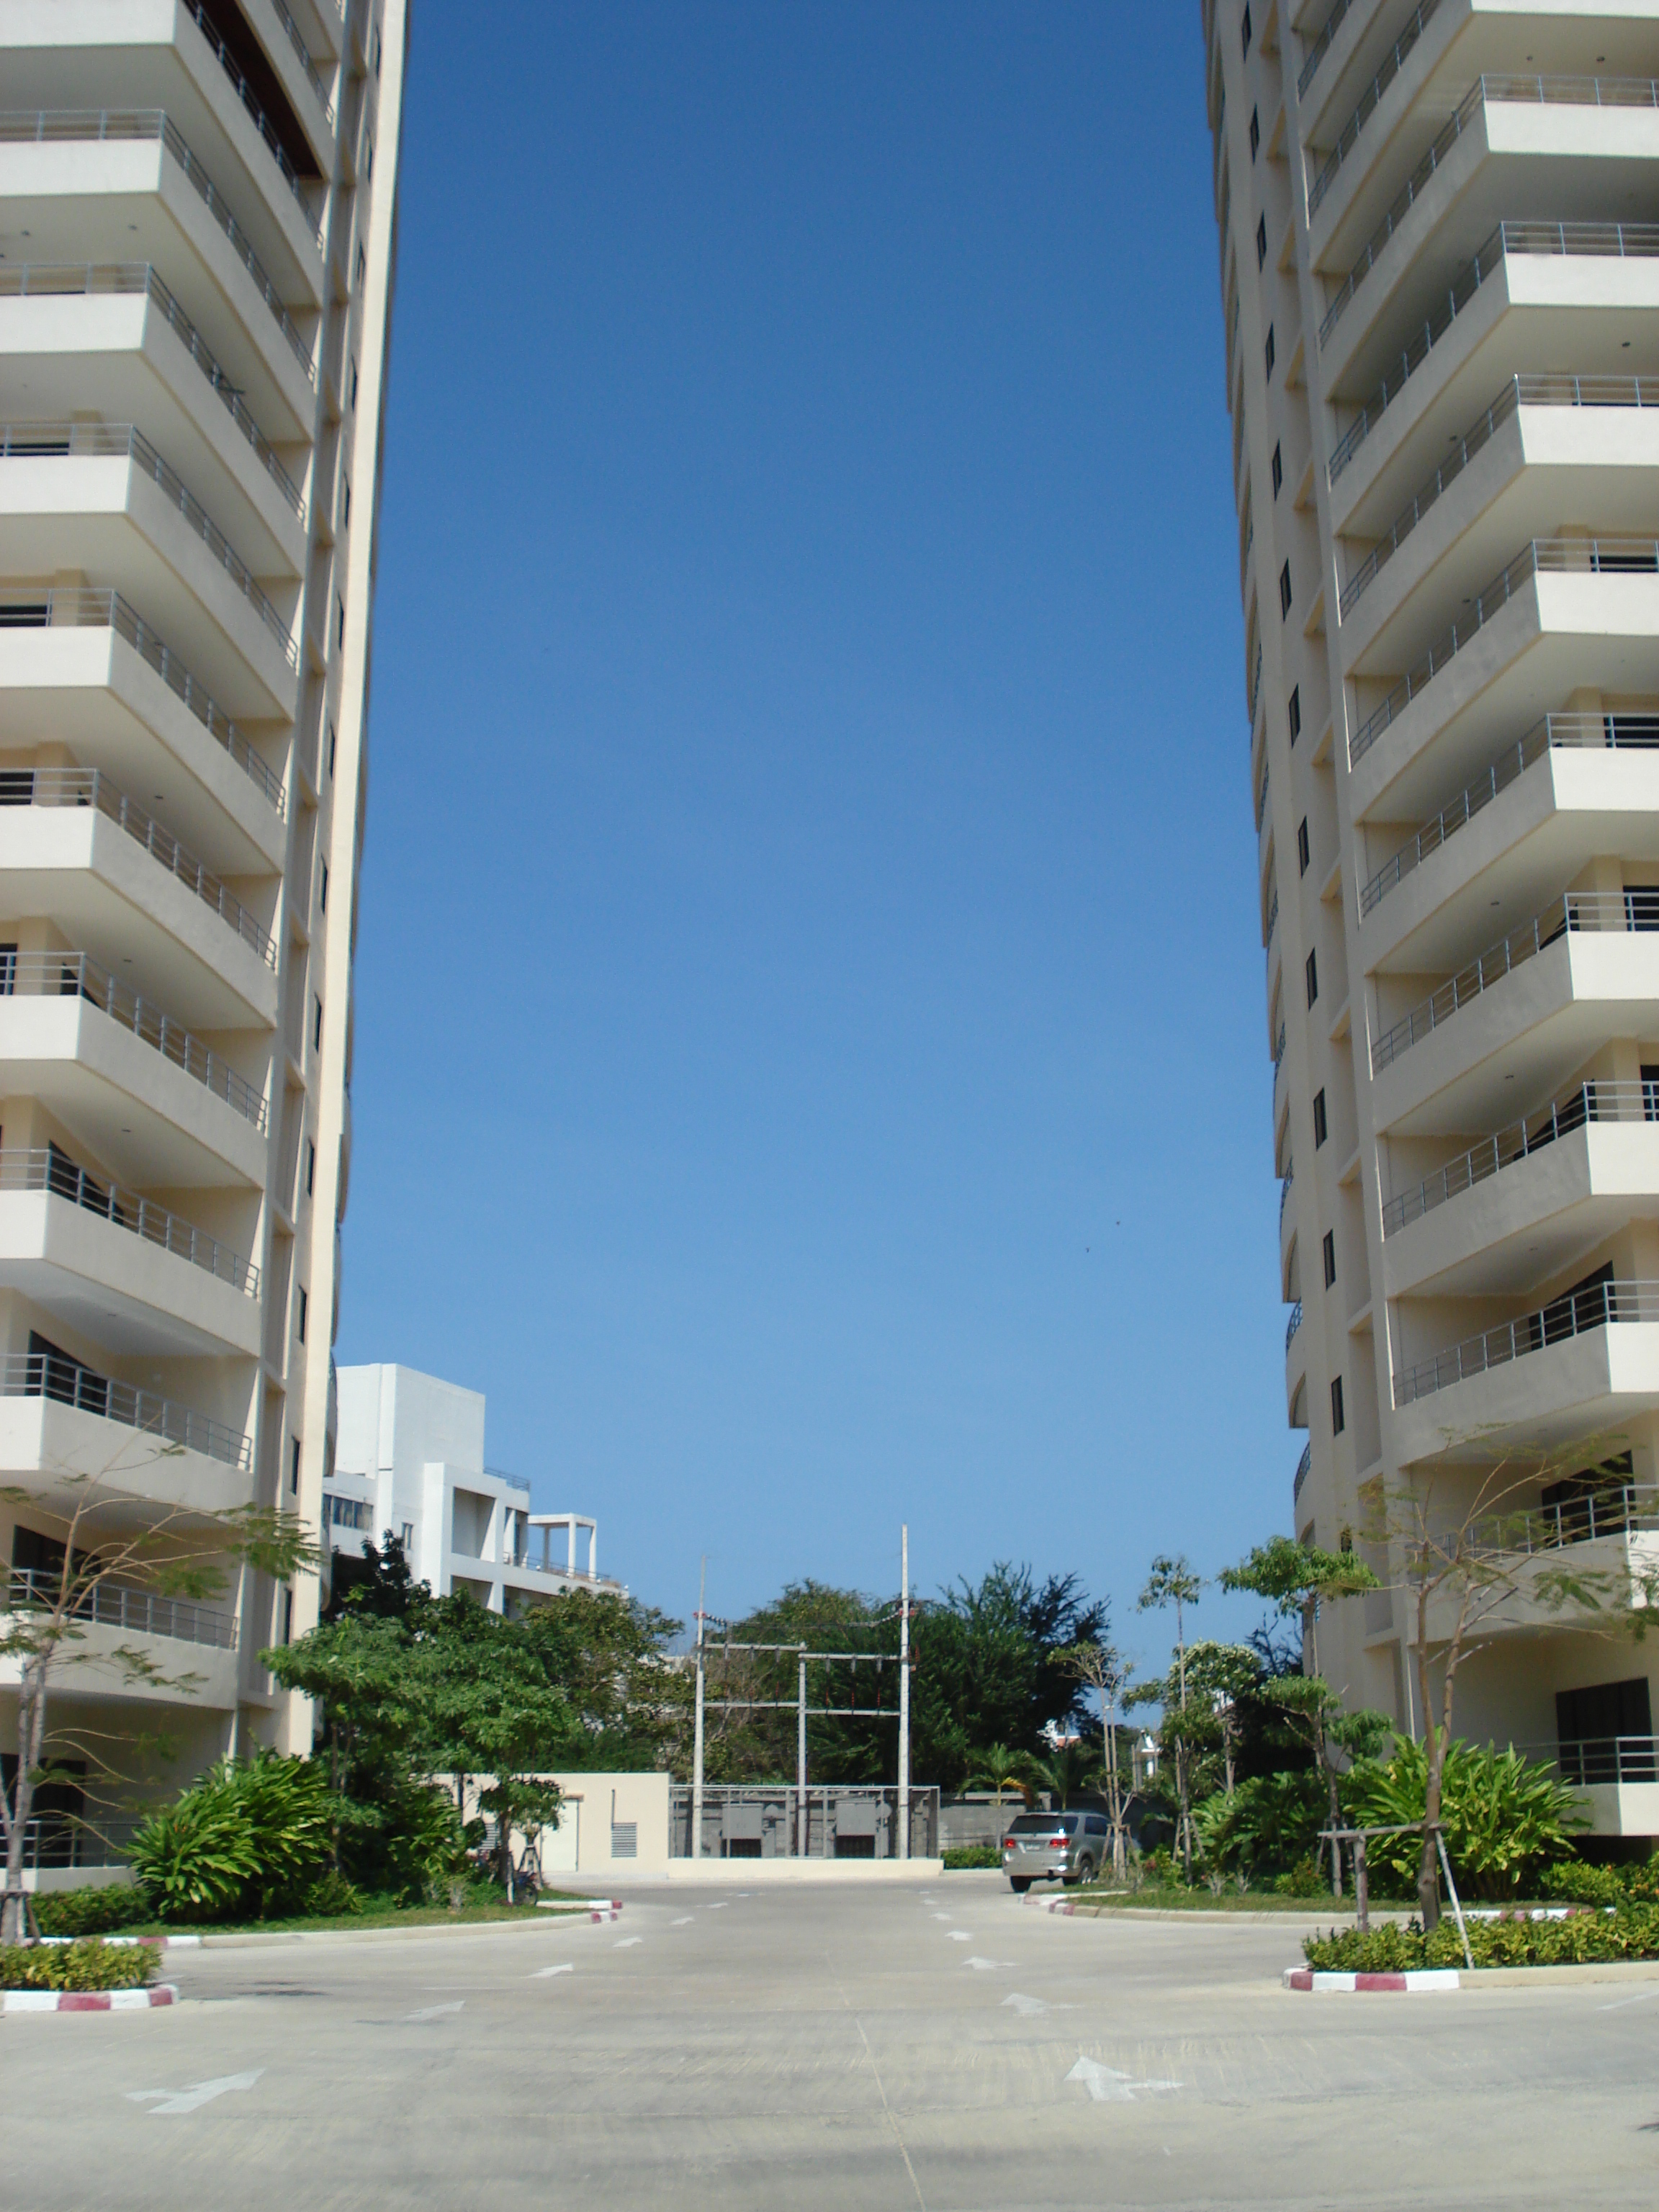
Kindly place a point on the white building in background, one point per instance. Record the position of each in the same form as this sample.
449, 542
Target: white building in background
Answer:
410, 1459
198, 226
1439, 269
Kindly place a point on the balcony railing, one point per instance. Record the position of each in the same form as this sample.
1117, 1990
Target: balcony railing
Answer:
1256, 690
245, 93
106, 610
51, 126
1321, 45
90, 788
309, 66
1596, 912
1261, 799
1597, 240
1273, 916
1552, 557
139, 1611
75, 975
1592, 1762
1279, 1051
38, 441
1626, 1510
128, 277
1589, 1102
1554, 91
53, 1172
1599, 1305
1416, 22
1284, 1189
65, 1382
1292, 1324
54, 1841
1559, 732
1303, 1467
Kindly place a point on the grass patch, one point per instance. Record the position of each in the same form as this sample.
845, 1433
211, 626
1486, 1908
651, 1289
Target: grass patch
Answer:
1150, 1899
1592, 1936
477, 1912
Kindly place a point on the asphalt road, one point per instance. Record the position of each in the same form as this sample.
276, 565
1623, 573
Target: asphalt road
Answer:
935, 2049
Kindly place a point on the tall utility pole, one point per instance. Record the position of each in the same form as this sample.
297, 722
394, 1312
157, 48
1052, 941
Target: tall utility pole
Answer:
800, 1758
695, 1851
904, 1693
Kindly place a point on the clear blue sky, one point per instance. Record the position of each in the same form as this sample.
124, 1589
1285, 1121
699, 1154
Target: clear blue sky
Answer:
811, 1062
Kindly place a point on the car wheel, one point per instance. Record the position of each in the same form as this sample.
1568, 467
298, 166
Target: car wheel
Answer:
1019, 1883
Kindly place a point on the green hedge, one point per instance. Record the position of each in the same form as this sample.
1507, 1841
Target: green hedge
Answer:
85, 1965
1587, 1937
967, 1857
105, 1912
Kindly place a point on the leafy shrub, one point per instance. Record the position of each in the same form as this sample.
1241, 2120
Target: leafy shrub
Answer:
83, 1965
245, 1838
1504, 1818
105, 1912
333, 1897
1304, 1879
1269, 1824
1512, 1940
1161, 1869
1585, 1883
966, 1857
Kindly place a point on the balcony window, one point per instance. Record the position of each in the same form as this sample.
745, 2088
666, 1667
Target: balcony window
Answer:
311, 1168
1339, 1421
1605, 1733
1284, 590
1642, 906
305, 1308
1269, 352
293, 1465
1278, 470
1650, 1092
1303, 849
1244, 28
1328, 1249
317, 1024
1311, 971
322, 889
1260, 240
1296, 714
288, 1616
1255, 134
331, 752
1320, 1128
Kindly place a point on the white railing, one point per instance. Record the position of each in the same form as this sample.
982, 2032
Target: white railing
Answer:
65, 1382
106, 610
1348, 136
54, 1173
75, 975
1293, 1324
244, 91
1303, 1467
141, 1613
90, 788
1554, 557
1284, 1189
1596, 912
103, 442
1626, 1509
1598, 1305
1321, 45
1599, 1101
305, 62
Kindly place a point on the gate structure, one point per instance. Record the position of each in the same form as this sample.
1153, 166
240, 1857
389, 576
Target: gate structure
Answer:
773, 1820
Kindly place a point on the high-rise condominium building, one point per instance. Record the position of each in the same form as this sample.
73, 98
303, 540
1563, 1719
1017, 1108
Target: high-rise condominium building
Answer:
1439, 229
198, 230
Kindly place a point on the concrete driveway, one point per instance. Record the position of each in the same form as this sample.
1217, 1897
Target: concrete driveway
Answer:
938, 2047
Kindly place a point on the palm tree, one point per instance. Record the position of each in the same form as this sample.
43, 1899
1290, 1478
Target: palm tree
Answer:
996, 1767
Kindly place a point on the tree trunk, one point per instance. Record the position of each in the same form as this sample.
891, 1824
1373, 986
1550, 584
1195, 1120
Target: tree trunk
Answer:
1428, 1866
1336, 1822
31, 1737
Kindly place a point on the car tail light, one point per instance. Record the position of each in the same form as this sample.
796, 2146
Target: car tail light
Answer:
1008, 1843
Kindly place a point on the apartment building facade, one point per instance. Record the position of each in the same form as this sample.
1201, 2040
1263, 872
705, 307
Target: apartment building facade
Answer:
197, 234
1439, 259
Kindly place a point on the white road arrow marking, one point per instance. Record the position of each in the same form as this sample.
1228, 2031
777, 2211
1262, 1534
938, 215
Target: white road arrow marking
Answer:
987, 1966
199, 2092
961, 1935
1107, 2086
686, 1923
721, 1906
1027, 2008
436, 2012
542, 1972
628, 1942
940, 1916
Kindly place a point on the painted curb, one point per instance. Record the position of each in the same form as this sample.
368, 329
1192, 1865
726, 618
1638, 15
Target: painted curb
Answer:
1417, 1981
118, 1942
597, 1908
88, 2000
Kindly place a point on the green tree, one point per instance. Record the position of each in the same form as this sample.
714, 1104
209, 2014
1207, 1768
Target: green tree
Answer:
1173, 1583
998, 1768
1505, 1819
1098, 1666
986, 1668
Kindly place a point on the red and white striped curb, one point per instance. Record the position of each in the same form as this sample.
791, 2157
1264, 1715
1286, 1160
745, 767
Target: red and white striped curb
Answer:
1417, 1980
1058, 1904
117, 1942
88, 2000
597, 1908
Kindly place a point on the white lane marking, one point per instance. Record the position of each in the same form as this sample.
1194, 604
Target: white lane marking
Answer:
199, 2092
542, 1972
721, 1906
987, 1966
436, 2012
1643, 1998
961, 1935
1027, 2008
686, 1923
939, 1916
627, 1942
1108, 2086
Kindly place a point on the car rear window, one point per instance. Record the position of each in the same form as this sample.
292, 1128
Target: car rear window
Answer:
1043, 1824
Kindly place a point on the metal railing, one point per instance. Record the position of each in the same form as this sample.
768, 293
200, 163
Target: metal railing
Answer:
55, 1174
309, 66
1261, 800
1292, 1324
51, 126
141, 1612
1272, 917
37, 441
75, 975
1622, 1509
1616, 241
133, 277
107, 610
65, 1382
1256, 689
1598, 1305
1303, 1467
1554, 557
1284, 1189
1321, 45
90, 788
1416, 22
1559, 732
513, 1481
1575, 913
249, 98
1593, 1762
1599, 1101
1279, 1051
54, 1841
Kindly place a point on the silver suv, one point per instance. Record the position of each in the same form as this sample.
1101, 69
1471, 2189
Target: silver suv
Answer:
1039, 1846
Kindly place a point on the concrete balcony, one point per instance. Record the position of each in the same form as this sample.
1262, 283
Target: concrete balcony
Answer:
100, 497
115, 338
119, 1267
59, 1418
157, 1101
112, 173
83, 669
1366, 131
1534, 296
1566, 612
1574, 787
134, 1612
1521, 1204
1527, 1012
